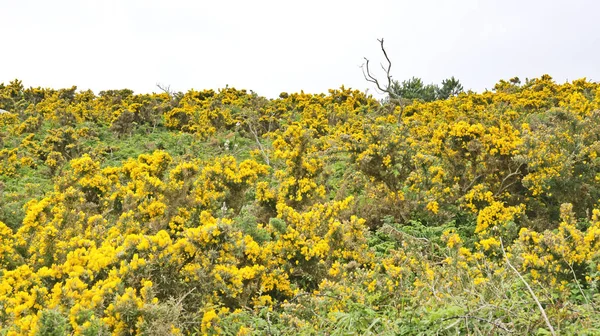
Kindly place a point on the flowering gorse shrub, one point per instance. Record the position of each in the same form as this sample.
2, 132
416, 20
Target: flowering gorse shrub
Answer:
223, 212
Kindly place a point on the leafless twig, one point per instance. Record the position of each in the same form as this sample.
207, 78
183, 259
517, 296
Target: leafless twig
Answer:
472, 183
260, 147
398, 233
511, 174
542, 311
580, 289
466, 317
315, 295
185, 295
166, 89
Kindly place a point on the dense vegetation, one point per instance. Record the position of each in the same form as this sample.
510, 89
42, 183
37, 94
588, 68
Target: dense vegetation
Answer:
223, 212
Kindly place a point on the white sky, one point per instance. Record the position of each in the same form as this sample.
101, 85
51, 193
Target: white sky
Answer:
275, 46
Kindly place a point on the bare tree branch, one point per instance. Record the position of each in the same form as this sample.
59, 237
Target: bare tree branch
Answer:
260, 147
511, 174
472, 183
389, 77
165, 88
369, 77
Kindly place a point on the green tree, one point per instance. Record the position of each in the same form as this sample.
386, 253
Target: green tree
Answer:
415, 89
450, 87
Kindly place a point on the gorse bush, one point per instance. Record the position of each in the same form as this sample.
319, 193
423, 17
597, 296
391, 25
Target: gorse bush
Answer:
223, 212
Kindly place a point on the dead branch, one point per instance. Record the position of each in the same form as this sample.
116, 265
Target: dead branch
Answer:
386, 228
465, 317
579, 286
535, 298
369, 77
511, 174
260, 146
166, 89
465, 189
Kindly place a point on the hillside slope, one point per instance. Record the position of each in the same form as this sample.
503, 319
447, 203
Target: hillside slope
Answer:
223, 212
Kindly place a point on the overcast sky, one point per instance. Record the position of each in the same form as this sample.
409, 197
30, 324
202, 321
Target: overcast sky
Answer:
275, 46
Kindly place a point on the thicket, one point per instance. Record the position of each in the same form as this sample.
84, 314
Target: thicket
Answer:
223, 212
